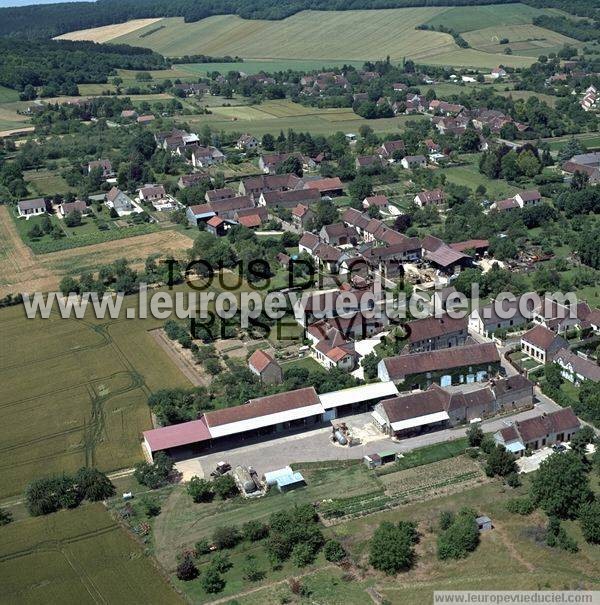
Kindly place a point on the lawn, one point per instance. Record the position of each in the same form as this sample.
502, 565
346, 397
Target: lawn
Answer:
45, 182
77, 557
468, 175
322, 37
83, 399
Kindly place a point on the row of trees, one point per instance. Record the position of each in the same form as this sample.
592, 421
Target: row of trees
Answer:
50, 494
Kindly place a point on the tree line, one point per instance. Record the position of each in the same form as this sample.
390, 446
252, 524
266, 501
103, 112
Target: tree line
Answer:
25, 64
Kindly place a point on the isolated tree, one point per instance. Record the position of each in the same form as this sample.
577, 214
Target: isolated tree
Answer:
225, 487
226, 537
334, 551
500, 462
212, 581
581, 440
361, 187
475, 435
255, 531
68, 285
5, 517
369, 363
553, 376
187, 570
391, 549
94, 484
561, 486
460, 538
73, 219
200, 490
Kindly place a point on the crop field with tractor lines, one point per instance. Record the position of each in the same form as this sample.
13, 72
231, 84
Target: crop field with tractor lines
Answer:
77, 557
78, 397
355, 35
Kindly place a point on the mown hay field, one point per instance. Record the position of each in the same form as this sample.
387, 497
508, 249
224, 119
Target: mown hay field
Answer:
310, 35
108, 32
75, 393
77, 557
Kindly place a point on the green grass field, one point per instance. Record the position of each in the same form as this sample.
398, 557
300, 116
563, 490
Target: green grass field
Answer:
523, 39
468, 18
77, 557
8, 95
272, 116
75, 393
318, 36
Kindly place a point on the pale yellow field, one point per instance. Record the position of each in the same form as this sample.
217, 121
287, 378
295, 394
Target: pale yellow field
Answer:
107, 32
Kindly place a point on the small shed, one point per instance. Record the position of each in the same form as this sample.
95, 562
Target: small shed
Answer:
372, 460
272, 476
484, 523
287, 483
387, 456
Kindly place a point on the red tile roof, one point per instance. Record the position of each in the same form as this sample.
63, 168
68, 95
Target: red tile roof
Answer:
443, 359
177, 435
540, 337
260, 359
263, 406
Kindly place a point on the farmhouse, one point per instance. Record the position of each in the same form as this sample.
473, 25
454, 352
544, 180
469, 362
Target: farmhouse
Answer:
152, 193
367, 161
413, 161
288, 199
586, 163
539, 431
437, 407
380, 202
217, 226
214, 195
338, 234
122, 204
269, 162
433, 333
247, 142
301, 217
206, 156
265, 367
540, 343
102, 165
559, 317
498, 72
33, 207
190, 180
469, 363
331, 186
252, 218
390, 150
434, 197
575, 368
76, 206
486, 320
255, 185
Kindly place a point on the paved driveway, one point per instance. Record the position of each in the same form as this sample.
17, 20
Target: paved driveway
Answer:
316, 445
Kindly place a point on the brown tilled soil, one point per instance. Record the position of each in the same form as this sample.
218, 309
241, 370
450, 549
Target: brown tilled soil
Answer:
23, 271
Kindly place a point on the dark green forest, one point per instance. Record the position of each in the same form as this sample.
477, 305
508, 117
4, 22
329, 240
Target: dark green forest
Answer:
60, 64
54, 19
